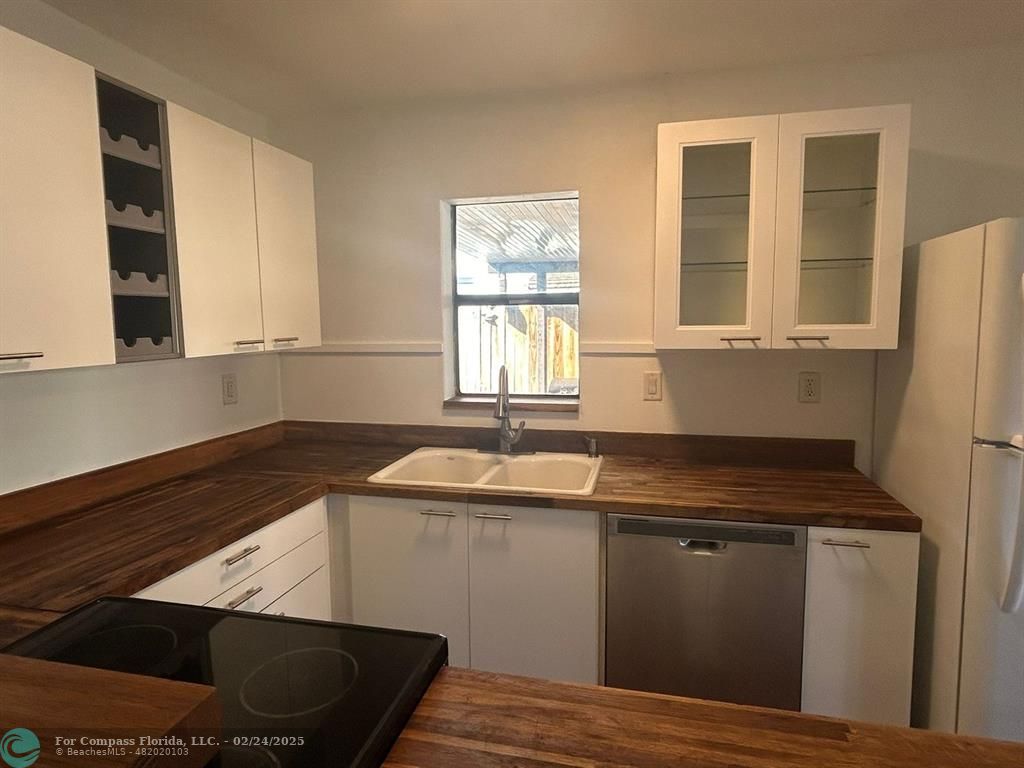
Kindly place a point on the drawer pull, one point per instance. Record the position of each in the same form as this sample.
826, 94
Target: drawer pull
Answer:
807, 338
285, 339
242, 555
248, 342
250, 592
485, 516
436, 513
20, 355
854, 544
740, 338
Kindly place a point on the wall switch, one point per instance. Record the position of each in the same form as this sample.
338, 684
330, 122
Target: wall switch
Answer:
809, 383
229, 388
652, 385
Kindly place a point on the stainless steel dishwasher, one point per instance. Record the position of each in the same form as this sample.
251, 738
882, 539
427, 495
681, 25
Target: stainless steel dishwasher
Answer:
706, 609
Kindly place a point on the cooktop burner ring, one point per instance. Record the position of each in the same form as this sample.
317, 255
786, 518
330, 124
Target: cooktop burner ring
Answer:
154, 641
282, 668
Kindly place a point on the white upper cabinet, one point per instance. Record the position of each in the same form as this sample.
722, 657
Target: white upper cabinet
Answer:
839, 233
215, 230
782, 231
716, 233
55, 309
286, 226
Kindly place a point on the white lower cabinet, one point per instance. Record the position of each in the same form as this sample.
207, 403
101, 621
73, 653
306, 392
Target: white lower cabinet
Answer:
533, 592
859, 624
254, 572
410, 568
309, 599
267, 585
514, 589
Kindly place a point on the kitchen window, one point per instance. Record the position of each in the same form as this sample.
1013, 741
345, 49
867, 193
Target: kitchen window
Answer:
516, 295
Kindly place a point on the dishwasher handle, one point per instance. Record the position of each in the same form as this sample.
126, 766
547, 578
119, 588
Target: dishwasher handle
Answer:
703, 546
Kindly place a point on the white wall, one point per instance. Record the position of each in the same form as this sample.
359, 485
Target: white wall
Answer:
59, 423
380, 177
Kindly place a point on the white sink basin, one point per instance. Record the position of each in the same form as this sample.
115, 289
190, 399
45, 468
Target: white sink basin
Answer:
562, 473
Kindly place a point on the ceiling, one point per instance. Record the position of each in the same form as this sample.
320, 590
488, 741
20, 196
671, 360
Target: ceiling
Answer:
276, 56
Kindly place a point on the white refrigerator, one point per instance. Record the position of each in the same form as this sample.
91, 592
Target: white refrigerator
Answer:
948, 445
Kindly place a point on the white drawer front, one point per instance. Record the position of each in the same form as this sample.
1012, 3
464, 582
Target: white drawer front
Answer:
203, 580
311, 599
263, 588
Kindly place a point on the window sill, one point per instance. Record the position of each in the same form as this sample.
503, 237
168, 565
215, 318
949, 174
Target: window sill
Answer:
546, 405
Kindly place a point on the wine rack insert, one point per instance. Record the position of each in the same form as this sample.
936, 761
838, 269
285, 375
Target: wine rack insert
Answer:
140, 223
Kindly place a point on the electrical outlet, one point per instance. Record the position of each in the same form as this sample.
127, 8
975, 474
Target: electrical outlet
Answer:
229, 388
652, 385
809, 383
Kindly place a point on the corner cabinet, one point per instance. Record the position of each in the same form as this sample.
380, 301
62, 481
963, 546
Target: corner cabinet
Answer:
55, 309
781, 231
286, 235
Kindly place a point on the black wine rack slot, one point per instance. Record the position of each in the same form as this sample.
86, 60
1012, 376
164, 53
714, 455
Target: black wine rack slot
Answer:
143, 280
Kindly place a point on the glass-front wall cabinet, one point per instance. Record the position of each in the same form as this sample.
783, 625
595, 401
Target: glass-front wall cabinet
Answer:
839, 232
781, 231
716, 208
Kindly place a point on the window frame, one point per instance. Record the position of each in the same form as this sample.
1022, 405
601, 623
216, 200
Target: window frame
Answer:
504, 299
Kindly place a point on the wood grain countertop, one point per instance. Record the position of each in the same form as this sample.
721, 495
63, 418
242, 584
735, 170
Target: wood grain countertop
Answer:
474, 719
628, 485
63, 700
16, 622
123, 545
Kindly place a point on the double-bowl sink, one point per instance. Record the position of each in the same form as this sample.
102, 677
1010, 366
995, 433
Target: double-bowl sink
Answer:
563, 473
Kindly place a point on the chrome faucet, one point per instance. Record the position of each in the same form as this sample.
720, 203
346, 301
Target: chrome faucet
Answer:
507, 437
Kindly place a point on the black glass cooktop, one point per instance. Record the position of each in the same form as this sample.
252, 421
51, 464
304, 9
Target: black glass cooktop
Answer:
346, 690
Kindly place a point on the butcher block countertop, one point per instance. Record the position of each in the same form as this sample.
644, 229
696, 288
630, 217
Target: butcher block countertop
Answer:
839, 497
474, 719
56, 556
470, 719
74, 703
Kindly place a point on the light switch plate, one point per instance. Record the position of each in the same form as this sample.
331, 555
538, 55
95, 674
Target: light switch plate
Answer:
229, 388
652, 385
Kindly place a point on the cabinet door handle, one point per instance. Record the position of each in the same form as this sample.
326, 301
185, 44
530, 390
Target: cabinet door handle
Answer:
808, 338
250, 592
20, 355
242, 555
485, 516
740, 338
854, 544
436, 513
248, 342
285, 339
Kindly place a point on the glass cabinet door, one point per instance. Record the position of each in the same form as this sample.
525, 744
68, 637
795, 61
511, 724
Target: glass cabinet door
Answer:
842, 190
715, 233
